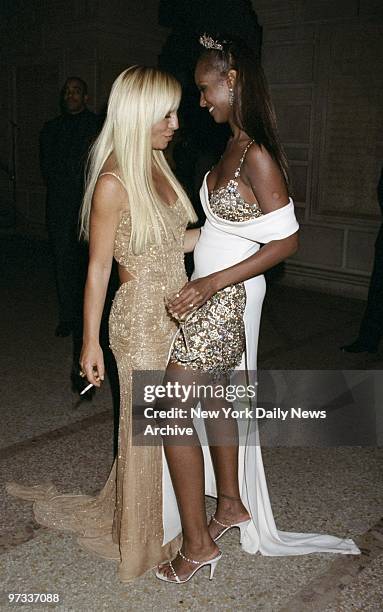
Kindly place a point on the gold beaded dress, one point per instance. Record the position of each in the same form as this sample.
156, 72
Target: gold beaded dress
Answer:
124, 522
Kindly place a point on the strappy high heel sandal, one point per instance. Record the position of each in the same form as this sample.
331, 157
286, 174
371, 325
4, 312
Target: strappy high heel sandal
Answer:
212, 562
242, 527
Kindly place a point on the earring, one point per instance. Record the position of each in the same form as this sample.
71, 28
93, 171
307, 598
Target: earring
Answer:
231, 96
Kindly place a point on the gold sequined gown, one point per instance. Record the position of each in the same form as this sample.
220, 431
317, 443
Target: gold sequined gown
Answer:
124, 522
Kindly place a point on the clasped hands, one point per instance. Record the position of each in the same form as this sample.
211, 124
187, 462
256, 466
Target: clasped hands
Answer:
192, 296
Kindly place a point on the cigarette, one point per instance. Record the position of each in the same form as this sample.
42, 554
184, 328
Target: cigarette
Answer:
86, 389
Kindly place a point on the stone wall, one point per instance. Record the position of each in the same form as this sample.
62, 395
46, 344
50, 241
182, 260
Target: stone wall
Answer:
324, 61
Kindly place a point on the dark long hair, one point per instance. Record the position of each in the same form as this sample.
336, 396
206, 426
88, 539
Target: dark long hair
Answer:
253, 110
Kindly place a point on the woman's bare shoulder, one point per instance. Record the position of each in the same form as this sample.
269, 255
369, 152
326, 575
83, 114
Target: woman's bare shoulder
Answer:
110, 192
258, 159
264, 176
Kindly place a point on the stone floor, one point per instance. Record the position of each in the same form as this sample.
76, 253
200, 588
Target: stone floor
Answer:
48, 434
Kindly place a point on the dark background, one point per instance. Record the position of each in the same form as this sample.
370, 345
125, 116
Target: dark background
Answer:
324, 62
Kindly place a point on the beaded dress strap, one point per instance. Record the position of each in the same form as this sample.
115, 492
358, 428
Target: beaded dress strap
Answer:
238, 170
113, 174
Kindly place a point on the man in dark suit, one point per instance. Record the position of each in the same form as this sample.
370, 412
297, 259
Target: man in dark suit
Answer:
64, 144
371, 327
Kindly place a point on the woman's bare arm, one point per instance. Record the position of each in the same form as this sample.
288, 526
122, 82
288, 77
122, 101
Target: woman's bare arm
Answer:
191, 239
108, 201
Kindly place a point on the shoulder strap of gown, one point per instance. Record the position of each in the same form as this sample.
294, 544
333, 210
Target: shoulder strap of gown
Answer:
113, 174
238, 170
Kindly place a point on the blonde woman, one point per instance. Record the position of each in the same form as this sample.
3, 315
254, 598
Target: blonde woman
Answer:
135, 211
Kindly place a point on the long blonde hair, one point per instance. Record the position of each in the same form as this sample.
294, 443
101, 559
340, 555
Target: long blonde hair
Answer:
139, 98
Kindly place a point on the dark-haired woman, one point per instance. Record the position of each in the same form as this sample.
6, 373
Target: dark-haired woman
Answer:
246, 201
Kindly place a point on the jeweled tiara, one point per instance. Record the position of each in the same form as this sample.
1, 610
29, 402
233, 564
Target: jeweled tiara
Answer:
209, 43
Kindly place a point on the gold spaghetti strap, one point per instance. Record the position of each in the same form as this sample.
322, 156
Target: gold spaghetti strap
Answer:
113, 174
238, 170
